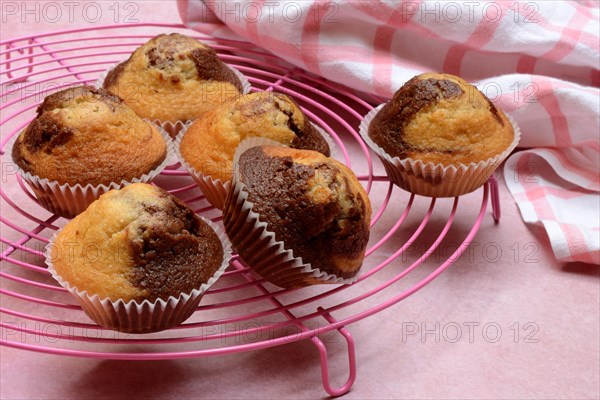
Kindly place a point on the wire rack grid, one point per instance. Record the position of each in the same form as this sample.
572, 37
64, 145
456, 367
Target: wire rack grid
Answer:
242, 312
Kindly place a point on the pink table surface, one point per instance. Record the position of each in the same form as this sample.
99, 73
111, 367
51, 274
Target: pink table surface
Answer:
541, 318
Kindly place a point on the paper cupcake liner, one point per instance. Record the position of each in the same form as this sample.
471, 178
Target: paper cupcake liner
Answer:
246, 85
174, 127
215, 190
147, 316
436, 180
258, 246
68, 200
333, 153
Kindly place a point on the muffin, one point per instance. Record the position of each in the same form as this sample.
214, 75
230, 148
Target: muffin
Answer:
173, 78
439, 136
82, 141
208, 146
297, 217
138, 259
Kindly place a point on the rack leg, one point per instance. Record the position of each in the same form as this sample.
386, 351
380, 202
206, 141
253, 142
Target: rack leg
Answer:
324, 359
495, 195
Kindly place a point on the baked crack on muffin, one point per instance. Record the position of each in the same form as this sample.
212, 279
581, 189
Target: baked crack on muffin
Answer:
138, 243
173, 77
441, 118
210, 142
83, 135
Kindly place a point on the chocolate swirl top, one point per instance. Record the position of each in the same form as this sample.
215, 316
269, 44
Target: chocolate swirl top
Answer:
440, 118
312, 203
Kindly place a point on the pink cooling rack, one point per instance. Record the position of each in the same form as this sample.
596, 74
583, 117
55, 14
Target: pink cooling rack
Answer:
242, 312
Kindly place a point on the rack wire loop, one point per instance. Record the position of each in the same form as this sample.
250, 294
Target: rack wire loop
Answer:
325, 360
10, 46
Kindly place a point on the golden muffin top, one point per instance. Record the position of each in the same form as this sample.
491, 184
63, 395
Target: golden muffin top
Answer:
137, 243
173, 77
210, 142
88, 136
441, 118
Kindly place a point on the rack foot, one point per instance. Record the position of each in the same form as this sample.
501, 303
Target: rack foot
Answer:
495, 195
324, 360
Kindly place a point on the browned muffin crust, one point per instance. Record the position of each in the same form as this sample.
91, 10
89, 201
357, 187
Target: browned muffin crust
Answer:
494, 111
58, 99
43, 134
114, 74
210, 142
165, 52
71, 139
387, 127
211, 68
424, 95
261, 103
320, 232
168, 249
46, 131
137, 243
307, 137
173, 78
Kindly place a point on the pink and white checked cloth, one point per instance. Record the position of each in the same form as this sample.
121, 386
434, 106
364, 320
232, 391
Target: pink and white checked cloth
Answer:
539, 61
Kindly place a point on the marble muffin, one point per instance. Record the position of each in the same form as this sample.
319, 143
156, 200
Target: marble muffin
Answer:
441, 119
137, 243
313, 204
83, 135
173, 78
210, 142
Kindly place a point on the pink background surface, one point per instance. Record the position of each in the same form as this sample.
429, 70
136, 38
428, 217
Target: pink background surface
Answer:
560, 360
